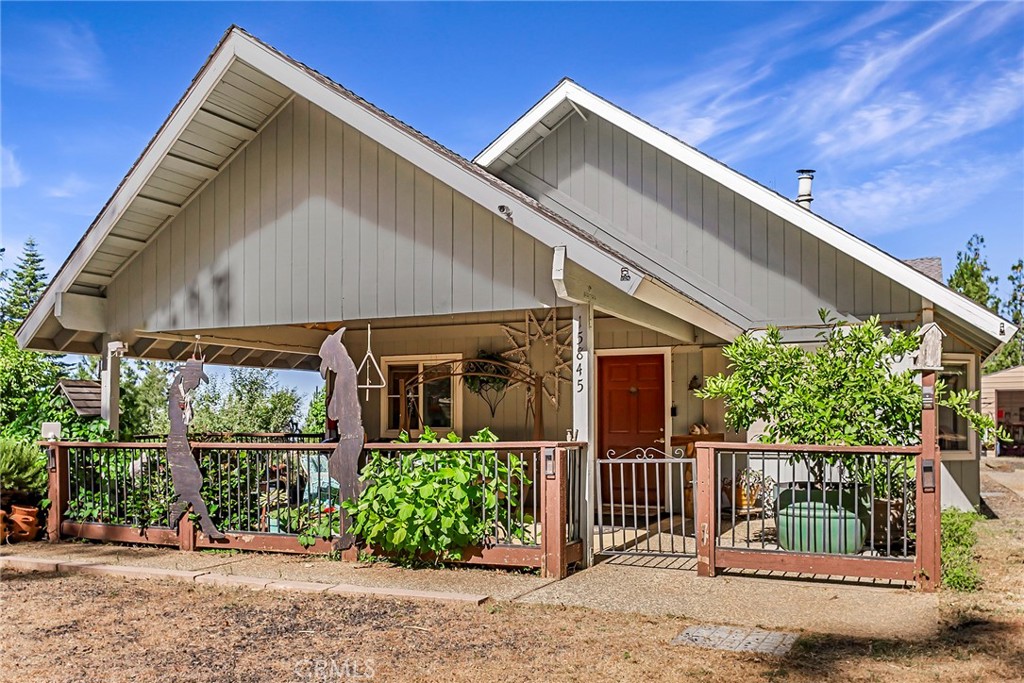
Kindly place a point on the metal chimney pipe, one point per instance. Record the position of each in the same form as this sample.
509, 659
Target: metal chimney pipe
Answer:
804, 197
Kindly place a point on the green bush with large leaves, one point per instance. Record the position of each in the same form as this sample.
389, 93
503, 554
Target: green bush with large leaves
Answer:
433, 503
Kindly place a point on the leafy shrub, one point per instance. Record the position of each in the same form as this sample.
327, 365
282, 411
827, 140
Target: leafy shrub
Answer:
437, 502
959, 566
309, 521
120, 486
23, 468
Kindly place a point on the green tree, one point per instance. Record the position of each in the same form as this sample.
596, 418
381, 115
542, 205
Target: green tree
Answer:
22, 286
1012, 354
843, 393
251, 400
316, 414
971, 276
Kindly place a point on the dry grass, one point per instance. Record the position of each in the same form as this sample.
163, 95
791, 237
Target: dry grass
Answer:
91, 628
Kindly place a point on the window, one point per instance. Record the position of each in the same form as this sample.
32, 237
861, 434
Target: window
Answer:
435, 402
956, 440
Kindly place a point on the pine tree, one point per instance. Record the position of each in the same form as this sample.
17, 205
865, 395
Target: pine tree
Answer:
971, 275
23, 287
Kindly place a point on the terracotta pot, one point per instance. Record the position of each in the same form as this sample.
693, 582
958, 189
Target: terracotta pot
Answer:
3, 526
24, 523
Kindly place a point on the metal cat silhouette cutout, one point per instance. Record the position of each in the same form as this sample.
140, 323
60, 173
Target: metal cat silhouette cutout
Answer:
185, 474
343, 407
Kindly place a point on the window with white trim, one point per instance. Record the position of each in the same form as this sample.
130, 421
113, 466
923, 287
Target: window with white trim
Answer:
435, 402
956, 440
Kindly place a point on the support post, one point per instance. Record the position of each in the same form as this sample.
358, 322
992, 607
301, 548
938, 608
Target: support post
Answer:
929, 495
553, 525
186, 532
584, 410
707, 515
58, 491
110, 385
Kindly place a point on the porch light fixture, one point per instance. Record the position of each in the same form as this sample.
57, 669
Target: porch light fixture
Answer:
695, 383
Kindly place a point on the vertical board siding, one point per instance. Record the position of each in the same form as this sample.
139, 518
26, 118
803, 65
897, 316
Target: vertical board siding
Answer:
695, 226
313, 221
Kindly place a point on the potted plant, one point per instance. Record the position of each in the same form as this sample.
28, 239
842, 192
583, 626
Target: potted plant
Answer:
23, 484
752, 489
846, 392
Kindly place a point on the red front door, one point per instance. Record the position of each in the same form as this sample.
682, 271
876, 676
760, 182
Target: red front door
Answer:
631, 415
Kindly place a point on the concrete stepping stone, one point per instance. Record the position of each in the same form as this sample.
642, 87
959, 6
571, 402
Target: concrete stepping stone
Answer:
734, 639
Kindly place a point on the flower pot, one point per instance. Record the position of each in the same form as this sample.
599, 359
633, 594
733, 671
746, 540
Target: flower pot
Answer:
24, 523
3, 526
889, 526
743, 497
818, 522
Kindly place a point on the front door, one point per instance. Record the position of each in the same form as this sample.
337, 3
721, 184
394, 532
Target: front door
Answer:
631, 416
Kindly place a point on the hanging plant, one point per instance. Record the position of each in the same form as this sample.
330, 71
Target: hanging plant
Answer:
488, 376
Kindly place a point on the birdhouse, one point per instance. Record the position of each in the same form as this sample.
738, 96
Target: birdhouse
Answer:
929, 355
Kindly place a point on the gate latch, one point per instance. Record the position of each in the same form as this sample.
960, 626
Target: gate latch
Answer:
928, 476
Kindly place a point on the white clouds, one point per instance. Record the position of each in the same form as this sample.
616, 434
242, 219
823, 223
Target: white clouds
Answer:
912, 194
893, 97
11, 174
69, 188
55, 56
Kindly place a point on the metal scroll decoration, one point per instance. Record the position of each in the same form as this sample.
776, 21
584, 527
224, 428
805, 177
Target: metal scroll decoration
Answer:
552, 334
343, 407
185, 474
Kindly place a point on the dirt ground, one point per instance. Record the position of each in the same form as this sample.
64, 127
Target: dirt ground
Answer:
94, 628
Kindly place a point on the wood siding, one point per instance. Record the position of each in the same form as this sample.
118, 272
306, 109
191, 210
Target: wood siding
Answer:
314, 221
759, 265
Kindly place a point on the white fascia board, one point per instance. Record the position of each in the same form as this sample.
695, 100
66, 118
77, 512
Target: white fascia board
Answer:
462, 180
524, 125
122, 199
970, 312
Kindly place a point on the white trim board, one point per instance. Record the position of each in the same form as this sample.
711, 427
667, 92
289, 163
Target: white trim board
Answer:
495, 157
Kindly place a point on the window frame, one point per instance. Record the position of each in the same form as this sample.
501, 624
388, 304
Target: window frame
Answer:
420, 359
968, 361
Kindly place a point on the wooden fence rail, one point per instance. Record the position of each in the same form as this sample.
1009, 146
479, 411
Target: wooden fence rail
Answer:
557, 476
854, 511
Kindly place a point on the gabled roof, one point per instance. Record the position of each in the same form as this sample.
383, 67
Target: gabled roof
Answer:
568, 98
83, 395
240, 88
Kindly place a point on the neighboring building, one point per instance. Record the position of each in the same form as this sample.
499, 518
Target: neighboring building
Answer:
1002, 397
84, 395
274, 206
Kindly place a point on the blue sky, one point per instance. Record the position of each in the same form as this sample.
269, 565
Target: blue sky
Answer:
912, 113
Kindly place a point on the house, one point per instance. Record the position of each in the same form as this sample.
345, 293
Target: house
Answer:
1002, 398
274, 206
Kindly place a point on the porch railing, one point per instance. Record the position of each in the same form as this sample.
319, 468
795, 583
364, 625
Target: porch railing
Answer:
829, 510
540, 523
279, 497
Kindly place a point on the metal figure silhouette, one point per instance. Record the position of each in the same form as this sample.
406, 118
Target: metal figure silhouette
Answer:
343, 407
185, 474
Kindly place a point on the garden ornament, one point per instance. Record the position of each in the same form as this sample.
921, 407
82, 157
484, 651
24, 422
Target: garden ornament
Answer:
343, 407
185, 474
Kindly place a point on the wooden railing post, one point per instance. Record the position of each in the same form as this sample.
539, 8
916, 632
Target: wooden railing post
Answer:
187, 532
706, 514
58, 490
929, 495
554, 511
